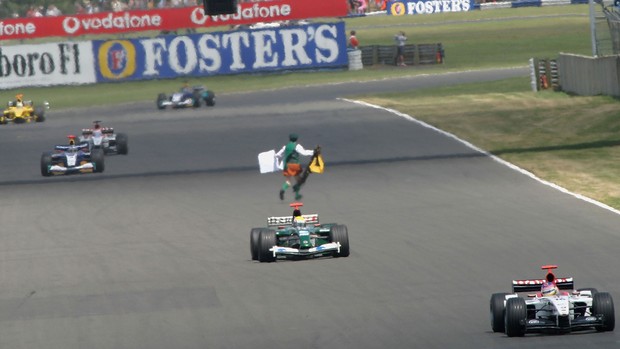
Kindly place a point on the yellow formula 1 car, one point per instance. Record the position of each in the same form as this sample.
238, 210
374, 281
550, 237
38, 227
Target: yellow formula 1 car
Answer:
20, 111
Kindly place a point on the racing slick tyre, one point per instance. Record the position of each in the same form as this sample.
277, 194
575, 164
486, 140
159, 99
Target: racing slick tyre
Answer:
498, 310
46, 162
267, 239
3, 120
160, 99
339, 233
210, 99
197, 96
96, 156
254, 240
121, 144
603, 304
516, 314
39, 115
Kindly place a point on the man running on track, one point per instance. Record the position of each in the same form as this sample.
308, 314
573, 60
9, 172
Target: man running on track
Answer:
290, 156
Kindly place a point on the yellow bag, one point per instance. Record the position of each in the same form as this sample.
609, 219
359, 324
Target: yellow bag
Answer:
317, 165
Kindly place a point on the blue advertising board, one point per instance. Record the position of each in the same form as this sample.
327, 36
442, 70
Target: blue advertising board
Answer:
416, 7
312, 46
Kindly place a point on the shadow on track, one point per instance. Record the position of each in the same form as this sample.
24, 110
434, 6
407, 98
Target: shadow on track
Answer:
100, 176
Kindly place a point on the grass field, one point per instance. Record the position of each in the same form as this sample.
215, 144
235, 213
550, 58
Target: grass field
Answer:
569, 140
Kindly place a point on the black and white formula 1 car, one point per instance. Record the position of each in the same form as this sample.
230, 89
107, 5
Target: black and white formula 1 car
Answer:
186, 97
105, 138
298, 236
550, 305
70, 159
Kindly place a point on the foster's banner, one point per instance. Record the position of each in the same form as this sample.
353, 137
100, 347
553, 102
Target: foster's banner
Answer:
319, 45
418, 7
166, 19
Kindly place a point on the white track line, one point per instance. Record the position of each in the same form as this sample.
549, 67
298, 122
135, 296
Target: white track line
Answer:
501, 161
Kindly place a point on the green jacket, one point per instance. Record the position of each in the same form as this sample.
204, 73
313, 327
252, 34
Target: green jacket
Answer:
290, 154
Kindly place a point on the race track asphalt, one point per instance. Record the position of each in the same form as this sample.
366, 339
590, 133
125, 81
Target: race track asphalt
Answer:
154, 252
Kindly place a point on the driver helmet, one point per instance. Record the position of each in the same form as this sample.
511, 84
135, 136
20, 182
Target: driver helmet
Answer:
549, 289
299, 221
19, 100
185, 87
96, 126
71, 140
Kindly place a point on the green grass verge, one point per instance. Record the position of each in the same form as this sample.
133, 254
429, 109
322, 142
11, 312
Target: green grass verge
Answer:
569, 140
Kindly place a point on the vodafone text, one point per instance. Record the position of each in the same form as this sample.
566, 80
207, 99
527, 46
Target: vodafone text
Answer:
112, 21
17, 29
257, 12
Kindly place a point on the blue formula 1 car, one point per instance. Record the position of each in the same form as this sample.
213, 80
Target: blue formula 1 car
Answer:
298, 236
71, 159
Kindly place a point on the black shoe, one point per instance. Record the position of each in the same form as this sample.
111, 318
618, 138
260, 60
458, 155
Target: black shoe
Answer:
281, 194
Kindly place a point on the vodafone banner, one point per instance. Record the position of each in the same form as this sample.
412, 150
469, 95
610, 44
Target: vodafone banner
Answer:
167, 19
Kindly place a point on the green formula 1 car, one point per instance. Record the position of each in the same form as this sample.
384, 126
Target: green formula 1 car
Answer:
298, 236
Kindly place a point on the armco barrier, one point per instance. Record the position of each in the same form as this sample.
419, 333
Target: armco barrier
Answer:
528, 3
415, 54
547, 74
589, 76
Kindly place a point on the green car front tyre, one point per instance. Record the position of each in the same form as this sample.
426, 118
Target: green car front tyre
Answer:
267, 240
254, 242
339, 233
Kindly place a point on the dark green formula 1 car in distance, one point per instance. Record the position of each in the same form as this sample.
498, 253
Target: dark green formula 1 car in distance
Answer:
298, 236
